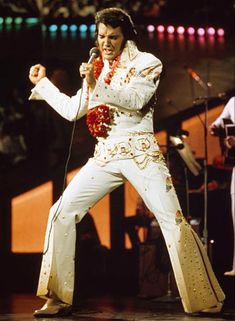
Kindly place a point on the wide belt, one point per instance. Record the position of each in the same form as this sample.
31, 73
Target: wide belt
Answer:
141, 147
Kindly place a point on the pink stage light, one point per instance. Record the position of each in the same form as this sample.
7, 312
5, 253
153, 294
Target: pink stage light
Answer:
211, 31
170, 29
220, 32
160, 28
180, 30
150, 28
191, 31
201, 31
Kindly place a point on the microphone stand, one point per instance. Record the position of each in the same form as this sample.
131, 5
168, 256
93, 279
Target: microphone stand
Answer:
206, 87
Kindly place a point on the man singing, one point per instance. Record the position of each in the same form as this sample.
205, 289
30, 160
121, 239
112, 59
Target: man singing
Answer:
117, 98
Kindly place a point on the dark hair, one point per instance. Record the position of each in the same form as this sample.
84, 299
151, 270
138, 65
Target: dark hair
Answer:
116, 17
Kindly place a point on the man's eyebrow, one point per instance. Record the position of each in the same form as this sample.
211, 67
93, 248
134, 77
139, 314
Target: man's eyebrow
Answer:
111, 34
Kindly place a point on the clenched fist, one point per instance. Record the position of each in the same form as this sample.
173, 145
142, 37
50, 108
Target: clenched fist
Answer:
36, 73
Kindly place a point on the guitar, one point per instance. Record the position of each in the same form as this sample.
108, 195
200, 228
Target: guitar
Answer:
227, 141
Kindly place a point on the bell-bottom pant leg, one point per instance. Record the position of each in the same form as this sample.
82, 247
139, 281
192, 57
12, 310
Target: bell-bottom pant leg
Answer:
88, 186
197, 284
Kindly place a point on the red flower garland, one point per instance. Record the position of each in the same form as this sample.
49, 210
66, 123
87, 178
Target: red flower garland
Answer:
99, 118
98, 66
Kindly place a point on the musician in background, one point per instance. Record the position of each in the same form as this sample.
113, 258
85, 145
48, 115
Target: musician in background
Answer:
217, 127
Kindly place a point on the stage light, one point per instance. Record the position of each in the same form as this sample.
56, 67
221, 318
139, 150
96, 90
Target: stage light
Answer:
211, 31
8, 20
83, 28
220, 32
170, 29
201, 31
73, 28
191, 31
180, 30
64, 27
32, 20
160, 28
150, 28
92, 28
18, 20
53, 28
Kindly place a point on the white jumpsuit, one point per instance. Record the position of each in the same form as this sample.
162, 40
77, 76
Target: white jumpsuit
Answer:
129, 152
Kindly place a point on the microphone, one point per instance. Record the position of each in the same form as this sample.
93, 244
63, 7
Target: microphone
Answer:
94, 53
193, 74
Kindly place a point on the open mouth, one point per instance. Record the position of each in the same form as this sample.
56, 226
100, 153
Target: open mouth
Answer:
107, 52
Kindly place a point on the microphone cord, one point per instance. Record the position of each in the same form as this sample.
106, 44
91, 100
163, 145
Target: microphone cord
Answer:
56, 214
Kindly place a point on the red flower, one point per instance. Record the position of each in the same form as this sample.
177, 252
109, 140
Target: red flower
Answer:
99, 120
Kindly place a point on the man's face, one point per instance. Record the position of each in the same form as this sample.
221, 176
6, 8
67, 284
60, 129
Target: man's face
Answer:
110, 41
